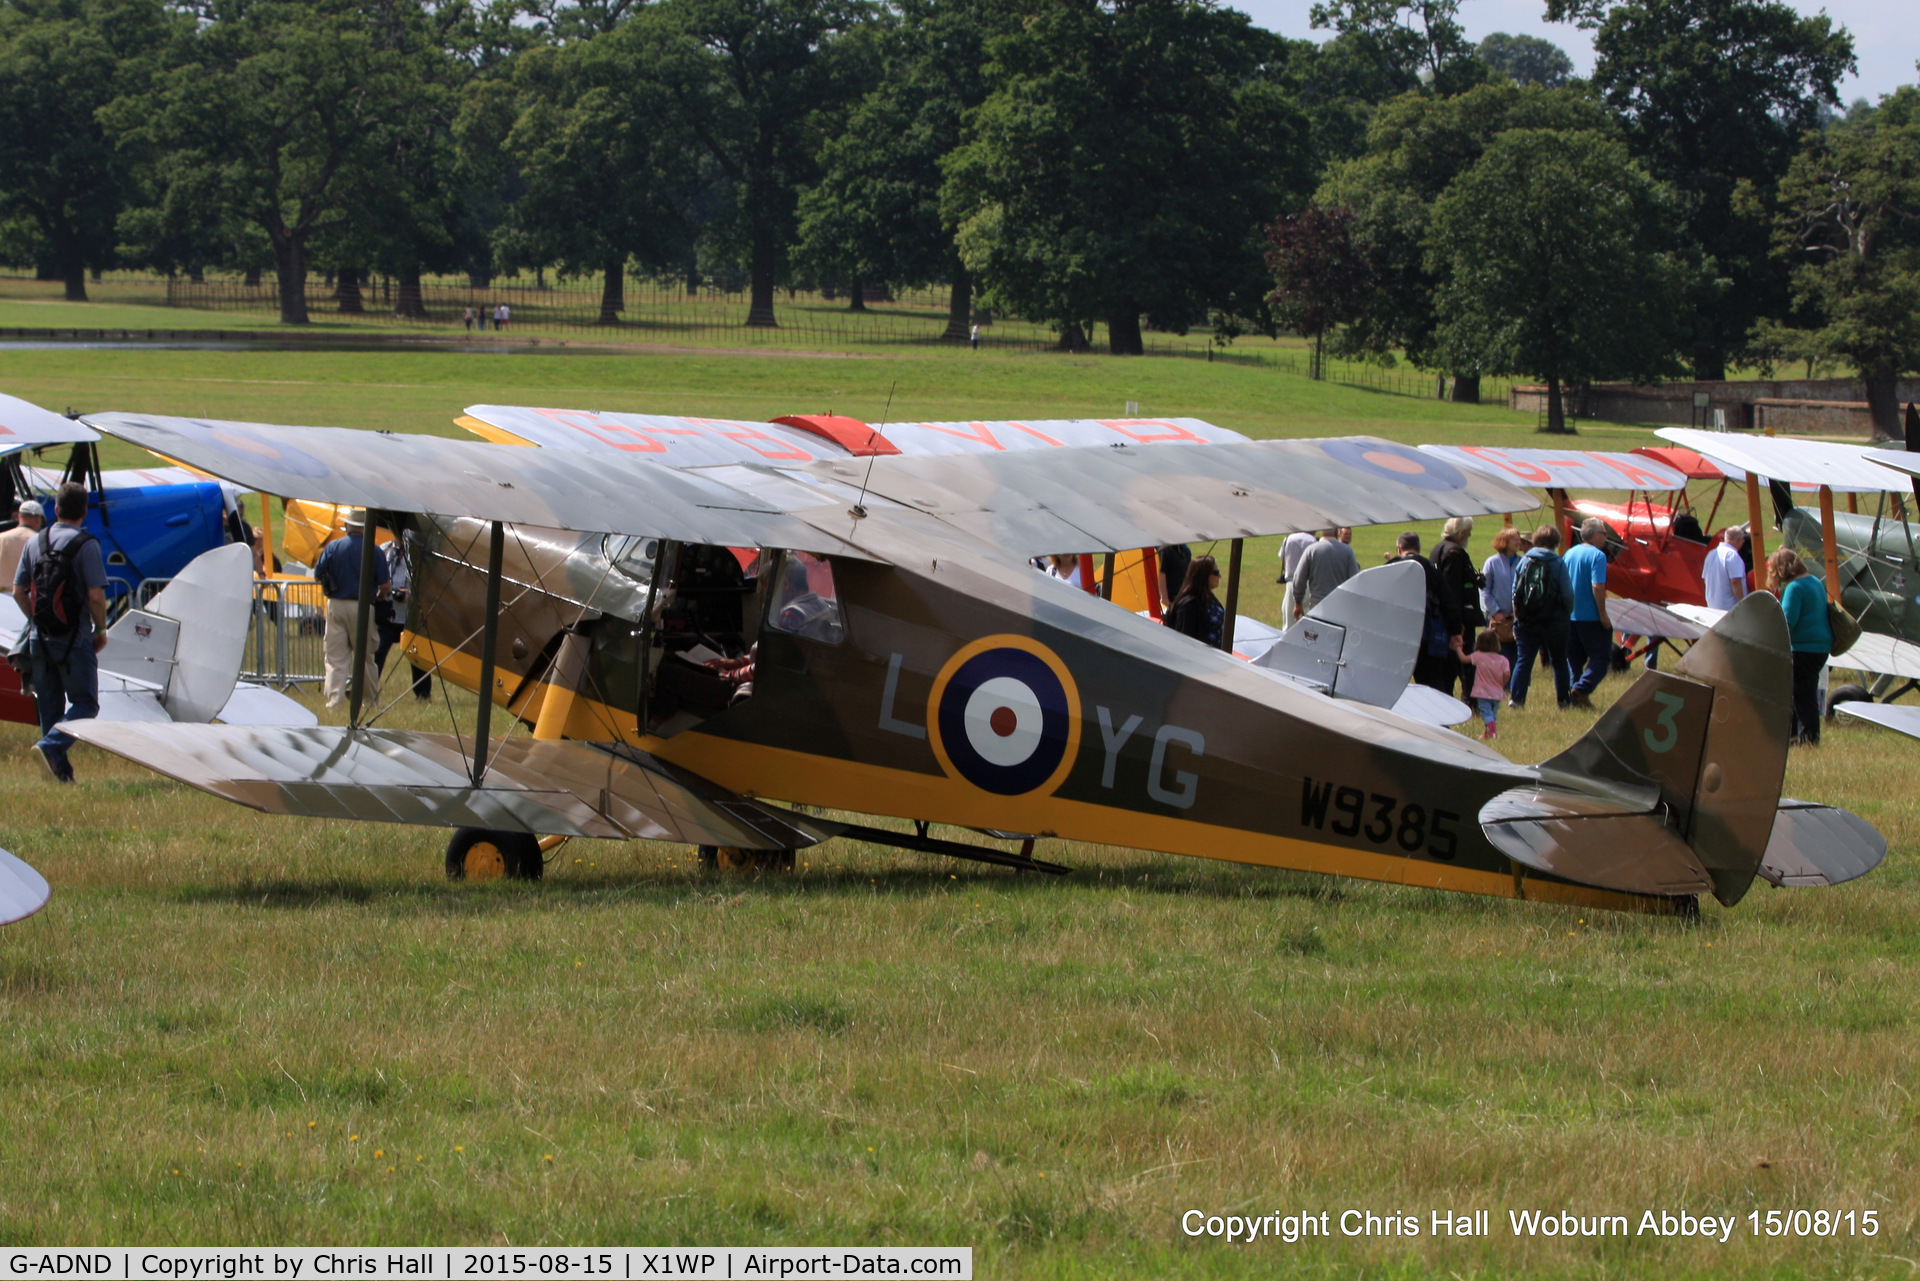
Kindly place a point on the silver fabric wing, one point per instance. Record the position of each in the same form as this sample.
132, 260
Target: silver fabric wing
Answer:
397, 776
391, 471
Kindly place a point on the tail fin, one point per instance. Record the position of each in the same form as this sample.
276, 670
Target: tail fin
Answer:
1361, 641
190, 639
1711, 735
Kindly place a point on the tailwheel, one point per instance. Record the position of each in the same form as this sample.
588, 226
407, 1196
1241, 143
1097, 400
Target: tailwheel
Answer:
729, 858
476, 854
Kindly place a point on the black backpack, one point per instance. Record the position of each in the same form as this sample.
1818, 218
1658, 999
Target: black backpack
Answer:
1537, 598
59, 592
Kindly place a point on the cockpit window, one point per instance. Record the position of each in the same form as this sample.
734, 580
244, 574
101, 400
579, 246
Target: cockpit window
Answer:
804, 602
633, 555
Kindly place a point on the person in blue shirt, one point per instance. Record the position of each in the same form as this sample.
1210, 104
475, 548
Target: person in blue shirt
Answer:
1590, 632
1804, 599
338, 569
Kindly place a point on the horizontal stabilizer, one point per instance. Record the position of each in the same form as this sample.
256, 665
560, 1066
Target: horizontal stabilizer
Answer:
1430, 707
23, 891
1639, 618
1817, 845
1361, 641
396, 776
1894, 716
1591, 840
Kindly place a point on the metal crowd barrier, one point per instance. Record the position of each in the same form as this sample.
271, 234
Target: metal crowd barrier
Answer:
286, 643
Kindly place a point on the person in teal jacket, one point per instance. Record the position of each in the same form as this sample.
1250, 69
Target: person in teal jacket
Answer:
1804, 598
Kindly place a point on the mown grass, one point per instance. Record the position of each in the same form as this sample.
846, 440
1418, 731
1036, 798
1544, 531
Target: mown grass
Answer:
232, 1028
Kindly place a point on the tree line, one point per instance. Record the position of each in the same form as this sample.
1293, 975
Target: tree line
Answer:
1395, 192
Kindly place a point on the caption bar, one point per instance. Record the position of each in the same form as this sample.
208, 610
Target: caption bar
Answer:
308, 1263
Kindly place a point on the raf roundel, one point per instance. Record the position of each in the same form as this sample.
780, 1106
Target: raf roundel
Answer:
1397, 462
1005, 716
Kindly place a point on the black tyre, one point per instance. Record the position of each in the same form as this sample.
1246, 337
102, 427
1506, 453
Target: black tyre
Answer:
1846, 694
727, 858
475, 854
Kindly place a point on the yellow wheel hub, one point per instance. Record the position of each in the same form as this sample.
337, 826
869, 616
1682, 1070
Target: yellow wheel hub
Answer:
484, 862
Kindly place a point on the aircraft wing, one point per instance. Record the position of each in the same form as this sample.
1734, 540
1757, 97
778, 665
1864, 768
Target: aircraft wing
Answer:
1846, 469
1882, 655
556, 489
1638, 618
1899, 717
802, 438
24, 425
1120, 496
397, 776
1563, 468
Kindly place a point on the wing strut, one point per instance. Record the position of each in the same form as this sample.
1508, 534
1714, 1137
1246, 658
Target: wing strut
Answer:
489, 642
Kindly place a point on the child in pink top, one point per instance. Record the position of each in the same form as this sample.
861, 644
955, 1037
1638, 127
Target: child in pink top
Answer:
1490, 674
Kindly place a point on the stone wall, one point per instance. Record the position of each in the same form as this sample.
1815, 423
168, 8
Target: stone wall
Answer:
1790, 406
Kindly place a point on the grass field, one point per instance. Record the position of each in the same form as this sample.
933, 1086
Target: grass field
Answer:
229, 1028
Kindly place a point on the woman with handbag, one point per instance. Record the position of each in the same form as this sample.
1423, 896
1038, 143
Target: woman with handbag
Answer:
1496, 588
1464, 581
1804, 599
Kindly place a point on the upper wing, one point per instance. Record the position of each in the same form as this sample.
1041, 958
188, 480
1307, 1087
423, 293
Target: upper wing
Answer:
407, 473
796, 439
1846, 469
1069, 498
1120, 496
1563, 468
24, 425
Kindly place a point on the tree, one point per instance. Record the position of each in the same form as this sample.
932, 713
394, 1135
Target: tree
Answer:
605, 161
1526, 60
270, 109
1715, 95
1416, 146
1553, 258
876, 214
1123, 164
1850, 221
1416, 42
754, 81
1320, 272
62, 173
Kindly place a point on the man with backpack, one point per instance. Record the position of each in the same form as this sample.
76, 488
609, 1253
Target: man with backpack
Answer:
1542, 606
61, 585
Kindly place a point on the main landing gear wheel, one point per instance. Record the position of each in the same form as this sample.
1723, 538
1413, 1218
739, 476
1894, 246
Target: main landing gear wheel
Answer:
475, 854
727, 858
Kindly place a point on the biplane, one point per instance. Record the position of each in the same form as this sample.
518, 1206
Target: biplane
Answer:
710, 631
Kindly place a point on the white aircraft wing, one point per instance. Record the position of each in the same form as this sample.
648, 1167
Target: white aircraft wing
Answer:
24, 425
1563, 468
803, 438
1899, 717
555, 489
1074, 498
1846, 469
1883, 656
1638, 618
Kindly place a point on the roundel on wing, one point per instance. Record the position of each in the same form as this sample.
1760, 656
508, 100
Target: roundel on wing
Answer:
1407, 465
1005, 716
280, 457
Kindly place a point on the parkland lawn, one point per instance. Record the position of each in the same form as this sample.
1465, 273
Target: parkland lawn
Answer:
228, 1028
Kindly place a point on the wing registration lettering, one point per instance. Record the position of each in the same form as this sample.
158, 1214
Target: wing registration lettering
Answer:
785, 451
1174, 431
617, 435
